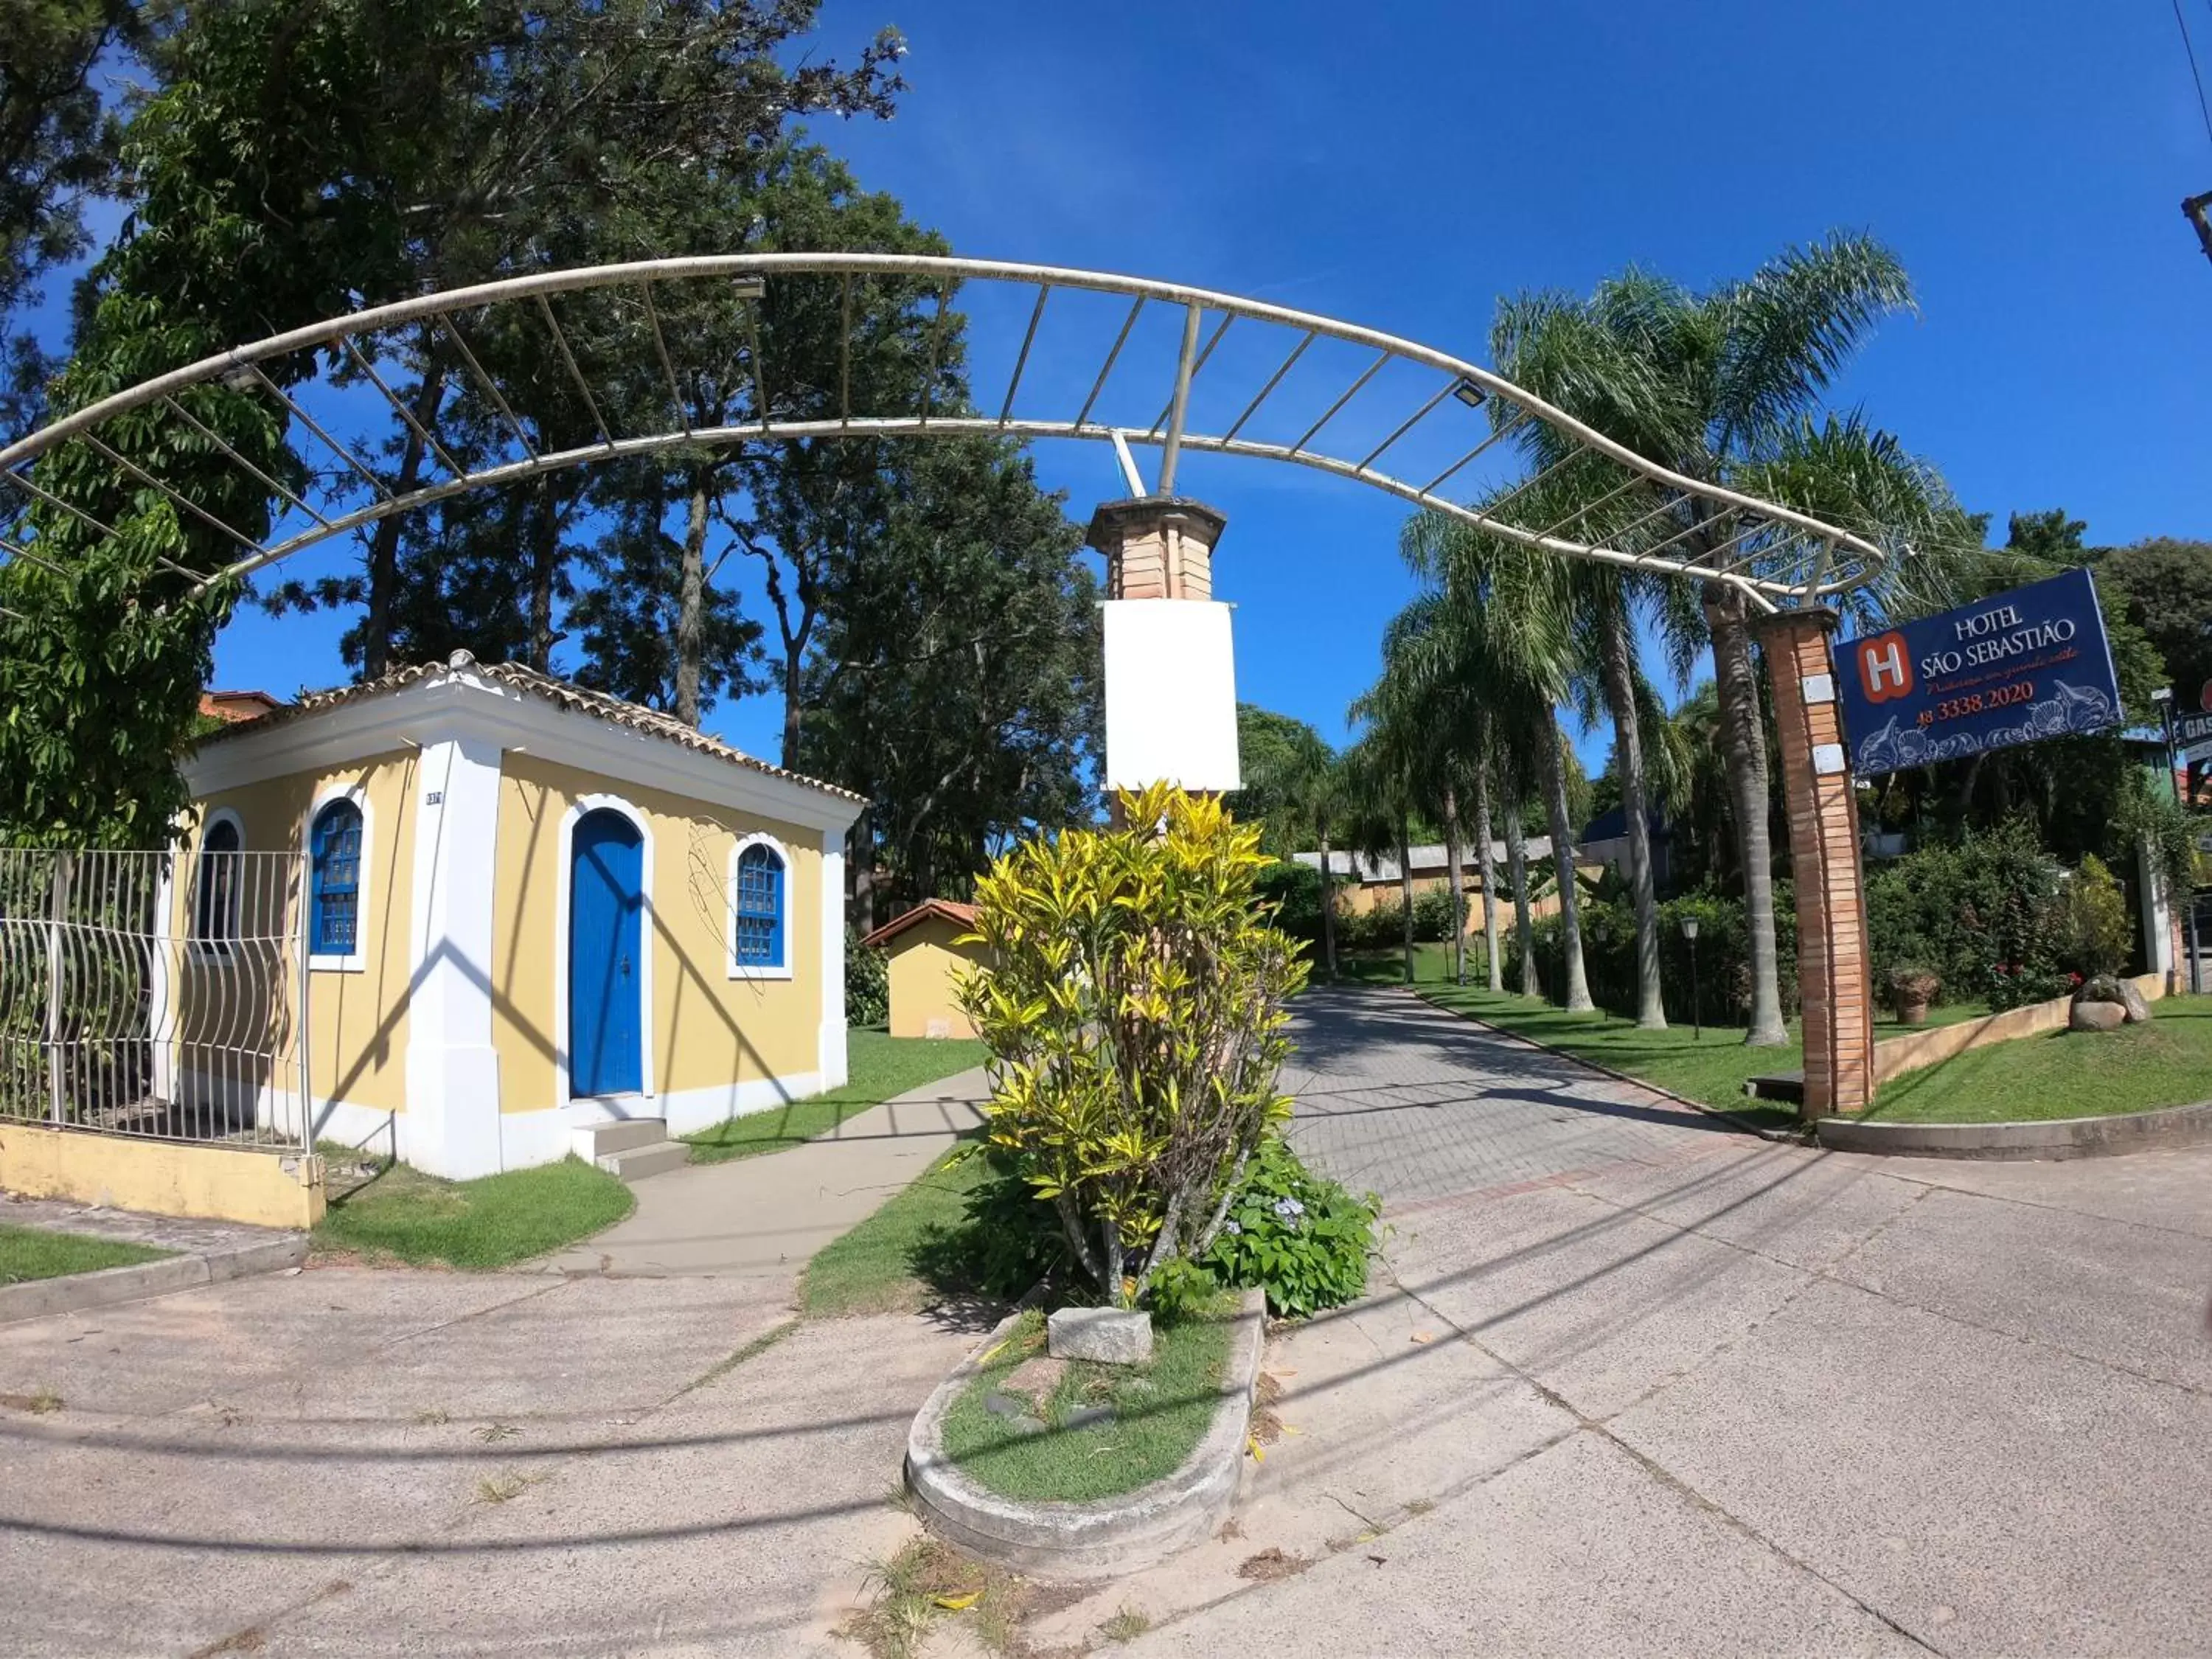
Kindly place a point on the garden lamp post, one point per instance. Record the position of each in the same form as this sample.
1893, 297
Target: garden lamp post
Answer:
1697, 1021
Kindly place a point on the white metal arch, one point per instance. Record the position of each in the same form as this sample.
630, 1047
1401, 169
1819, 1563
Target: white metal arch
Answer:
1664, 522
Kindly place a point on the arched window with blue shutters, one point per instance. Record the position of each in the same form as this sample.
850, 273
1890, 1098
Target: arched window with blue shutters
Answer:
334, 922
759, 929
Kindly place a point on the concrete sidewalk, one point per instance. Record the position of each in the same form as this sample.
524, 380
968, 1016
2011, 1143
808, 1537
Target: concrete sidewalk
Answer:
766, 1216
373, 1462
1632, 1383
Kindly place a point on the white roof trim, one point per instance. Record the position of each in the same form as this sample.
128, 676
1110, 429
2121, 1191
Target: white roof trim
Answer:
461, 703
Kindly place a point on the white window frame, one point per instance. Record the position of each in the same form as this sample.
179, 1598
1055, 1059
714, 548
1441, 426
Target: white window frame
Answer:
357, 960
200, 950
743, 970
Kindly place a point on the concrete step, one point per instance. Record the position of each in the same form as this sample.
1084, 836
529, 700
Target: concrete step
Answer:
636, 1163
621, 1134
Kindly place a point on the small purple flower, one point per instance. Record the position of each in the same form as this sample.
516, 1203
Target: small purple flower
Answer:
1232, 1230
1289, 1209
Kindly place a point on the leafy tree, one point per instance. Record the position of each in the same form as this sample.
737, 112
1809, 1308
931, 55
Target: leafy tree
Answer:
2165, 586
953, 678
654, 628
245, 221
57, 150
1285, 763
1292, 782
571, 132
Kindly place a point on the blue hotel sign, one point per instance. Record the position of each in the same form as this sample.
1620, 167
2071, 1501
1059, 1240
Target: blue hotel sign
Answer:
2022, 667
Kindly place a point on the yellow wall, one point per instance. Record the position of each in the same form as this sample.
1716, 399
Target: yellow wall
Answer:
357, 1022
162, 1177
707, 1030
923, 964
1359, 898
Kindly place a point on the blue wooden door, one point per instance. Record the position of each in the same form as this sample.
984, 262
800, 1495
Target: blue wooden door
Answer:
607, 911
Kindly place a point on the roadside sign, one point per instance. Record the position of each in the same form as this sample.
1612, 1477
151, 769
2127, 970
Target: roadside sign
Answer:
2026, 665
2192, 729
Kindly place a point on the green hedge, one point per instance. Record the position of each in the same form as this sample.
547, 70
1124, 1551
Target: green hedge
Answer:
1996, 917
1295, 891
867, 983
1384, 926
1723, 956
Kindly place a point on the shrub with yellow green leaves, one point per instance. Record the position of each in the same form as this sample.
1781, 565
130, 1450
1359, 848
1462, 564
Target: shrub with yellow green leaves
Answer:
1133, 1004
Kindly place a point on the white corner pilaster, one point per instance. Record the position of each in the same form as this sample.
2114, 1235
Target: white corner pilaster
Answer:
452, 1070
831, 1050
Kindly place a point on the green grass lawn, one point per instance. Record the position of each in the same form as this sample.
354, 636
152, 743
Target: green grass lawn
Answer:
2136, 1068
882, 1067
1162, 1411
403, 1214
2165, 1063
1709, 1067
885, 1265
28, 1253
1432, 965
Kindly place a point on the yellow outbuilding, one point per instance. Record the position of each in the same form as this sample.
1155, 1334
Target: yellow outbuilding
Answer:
926, 957
527, 910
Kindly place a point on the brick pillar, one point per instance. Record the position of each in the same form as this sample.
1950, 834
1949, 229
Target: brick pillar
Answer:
1156, 547
1161, 547
1833, 976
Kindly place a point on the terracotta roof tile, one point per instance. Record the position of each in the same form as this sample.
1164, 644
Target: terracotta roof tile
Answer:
944, 909
564, 694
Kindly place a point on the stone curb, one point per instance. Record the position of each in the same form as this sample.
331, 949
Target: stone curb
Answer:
1789, 1137
1114, 1535
2074, 1137
38, 1297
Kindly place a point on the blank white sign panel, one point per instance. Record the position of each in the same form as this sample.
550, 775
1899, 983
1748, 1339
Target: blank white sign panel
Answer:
1171, 695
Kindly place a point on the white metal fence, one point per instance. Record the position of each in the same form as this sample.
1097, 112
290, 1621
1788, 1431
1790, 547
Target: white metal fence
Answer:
129, 1008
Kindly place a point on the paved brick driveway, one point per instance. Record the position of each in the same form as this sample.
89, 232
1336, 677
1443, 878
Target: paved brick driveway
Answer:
1402, 1098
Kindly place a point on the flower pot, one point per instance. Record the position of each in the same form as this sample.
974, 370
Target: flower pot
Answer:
1913, 1011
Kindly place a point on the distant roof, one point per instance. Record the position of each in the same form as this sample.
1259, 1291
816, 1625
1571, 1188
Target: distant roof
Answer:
564, 694
1430, 861
238, 706
944, 909
1612, 824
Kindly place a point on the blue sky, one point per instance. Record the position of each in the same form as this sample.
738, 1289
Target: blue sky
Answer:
1403, 165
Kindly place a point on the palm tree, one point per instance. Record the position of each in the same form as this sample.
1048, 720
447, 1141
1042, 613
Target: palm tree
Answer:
1326, 788
1516, 865
1719, 386
1377, 800
1479, 664
1494, 970
1421, 715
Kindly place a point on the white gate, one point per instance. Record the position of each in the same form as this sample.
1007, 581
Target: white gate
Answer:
129, 1007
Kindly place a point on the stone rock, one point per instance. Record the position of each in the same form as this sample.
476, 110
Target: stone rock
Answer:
1104, 1336
2105, 988
1084, 1417
1037, 1376
2096, 1017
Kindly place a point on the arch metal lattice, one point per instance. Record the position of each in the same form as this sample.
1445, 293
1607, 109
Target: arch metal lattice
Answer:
1653, 519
